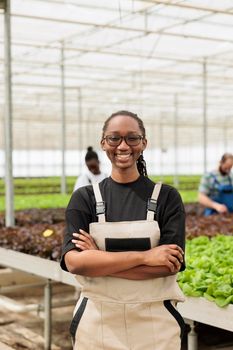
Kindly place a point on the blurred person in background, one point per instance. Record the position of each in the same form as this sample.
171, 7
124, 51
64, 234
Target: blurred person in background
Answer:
92, 173
216, 188
124, 241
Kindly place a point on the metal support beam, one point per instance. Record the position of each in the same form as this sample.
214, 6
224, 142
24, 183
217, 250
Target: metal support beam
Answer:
175, 178
161, 146
192, 338
204, 107
9, 188
63, 124
127, 28
191, 7
225, 135
80, 117
48, 315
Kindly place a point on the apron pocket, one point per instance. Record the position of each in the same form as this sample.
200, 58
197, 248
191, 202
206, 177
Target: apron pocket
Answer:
127, 244
77, 317
168, 305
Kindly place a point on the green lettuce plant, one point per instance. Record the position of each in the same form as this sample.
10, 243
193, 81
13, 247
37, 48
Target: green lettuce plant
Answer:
209, 269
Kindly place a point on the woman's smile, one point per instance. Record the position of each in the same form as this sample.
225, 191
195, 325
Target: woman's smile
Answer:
123, 141
123, 156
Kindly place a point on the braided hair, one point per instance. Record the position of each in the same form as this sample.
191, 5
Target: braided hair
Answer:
141, 163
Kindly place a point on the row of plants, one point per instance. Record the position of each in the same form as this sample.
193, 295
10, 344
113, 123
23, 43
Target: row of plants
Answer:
34, 181
34, 195
209, 269
53, 184
209, 255
26, 181
39, 185
209, 262
55, 200
46, 201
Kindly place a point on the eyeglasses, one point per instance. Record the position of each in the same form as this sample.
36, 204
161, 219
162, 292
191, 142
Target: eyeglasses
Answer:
115, 140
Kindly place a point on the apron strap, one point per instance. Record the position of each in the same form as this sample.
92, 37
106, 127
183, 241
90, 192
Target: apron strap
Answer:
151, 207
152, 202
100, 205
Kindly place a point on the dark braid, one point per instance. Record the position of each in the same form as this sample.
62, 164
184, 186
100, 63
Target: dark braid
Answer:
141, 164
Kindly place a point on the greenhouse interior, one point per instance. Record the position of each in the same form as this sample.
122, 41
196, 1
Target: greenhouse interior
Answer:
65, 67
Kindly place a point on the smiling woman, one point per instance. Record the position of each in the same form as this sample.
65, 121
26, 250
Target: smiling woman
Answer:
125, 141
125, 243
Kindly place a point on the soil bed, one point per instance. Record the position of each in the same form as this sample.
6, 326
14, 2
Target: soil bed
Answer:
31, 235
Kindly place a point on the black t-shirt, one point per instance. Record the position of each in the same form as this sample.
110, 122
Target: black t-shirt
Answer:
126, 202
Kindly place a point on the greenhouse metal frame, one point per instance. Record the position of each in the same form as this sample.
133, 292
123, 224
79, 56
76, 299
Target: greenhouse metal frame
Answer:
67, 65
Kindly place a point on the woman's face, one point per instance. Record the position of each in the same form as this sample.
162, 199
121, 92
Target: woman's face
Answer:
123, 156
93, 165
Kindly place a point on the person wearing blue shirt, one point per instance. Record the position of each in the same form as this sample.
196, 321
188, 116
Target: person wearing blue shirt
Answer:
216, 188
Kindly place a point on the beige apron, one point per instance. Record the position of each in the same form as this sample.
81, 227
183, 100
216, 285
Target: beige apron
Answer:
120, 314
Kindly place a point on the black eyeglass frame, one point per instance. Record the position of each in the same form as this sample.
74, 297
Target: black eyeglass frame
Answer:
125, 138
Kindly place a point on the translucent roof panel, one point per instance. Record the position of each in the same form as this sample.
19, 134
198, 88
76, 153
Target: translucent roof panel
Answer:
154, 57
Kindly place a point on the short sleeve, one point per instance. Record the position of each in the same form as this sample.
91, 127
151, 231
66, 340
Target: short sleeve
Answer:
172, 221
206, 184
78, 216
81, 181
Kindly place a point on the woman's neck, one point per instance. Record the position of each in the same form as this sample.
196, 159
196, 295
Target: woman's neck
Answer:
124, 176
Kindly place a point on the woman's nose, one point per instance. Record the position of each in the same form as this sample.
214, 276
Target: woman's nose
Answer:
123, 145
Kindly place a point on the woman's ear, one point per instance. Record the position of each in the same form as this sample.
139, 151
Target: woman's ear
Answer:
102, 145
144, 144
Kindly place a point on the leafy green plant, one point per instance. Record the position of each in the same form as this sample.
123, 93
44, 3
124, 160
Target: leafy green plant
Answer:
45, 192
38, 201
209, 269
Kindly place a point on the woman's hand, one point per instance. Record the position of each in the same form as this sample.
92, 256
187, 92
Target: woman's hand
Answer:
84, 241
170, 255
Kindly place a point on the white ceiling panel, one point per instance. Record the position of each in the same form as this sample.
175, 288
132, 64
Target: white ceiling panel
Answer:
136, 55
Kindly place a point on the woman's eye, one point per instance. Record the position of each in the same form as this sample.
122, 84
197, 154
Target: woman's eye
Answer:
114, 138
132, 138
